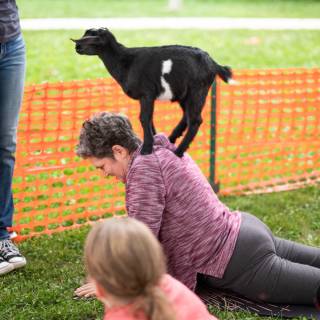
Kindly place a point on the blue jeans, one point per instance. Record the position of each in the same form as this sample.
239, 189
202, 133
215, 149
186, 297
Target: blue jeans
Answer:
12, 73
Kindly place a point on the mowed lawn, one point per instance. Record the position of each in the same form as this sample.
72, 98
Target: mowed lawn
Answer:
43, 290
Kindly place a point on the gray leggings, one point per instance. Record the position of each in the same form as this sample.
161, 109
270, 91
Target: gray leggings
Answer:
266, 268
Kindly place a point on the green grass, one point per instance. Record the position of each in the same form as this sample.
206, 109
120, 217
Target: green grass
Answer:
43, 290
51, 56
154, 8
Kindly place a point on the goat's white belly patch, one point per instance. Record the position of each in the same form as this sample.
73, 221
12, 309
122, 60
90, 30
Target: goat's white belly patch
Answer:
167, 92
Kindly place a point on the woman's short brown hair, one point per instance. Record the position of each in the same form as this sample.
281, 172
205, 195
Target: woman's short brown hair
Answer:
104, 130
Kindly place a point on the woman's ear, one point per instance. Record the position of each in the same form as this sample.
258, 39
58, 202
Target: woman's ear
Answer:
119, 152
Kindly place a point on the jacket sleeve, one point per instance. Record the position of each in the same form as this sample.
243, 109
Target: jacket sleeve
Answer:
145, 192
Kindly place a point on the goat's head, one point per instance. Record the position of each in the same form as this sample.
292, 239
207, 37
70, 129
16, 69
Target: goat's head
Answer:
94, 41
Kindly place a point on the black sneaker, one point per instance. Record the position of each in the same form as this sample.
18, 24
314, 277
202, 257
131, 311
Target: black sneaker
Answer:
5, 266
10, 253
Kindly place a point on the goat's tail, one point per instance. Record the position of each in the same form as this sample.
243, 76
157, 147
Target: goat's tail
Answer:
225, 73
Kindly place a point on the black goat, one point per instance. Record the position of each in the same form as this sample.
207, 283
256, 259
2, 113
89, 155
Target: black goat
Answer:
175, 73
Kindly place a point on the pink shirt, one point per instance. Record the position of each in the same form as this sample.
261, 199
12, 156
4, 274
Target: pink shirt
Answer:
185, 303
172, 196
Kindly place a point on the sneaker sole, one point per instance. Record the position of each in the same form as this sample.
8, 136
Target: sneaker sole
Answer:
17, 265
7, 269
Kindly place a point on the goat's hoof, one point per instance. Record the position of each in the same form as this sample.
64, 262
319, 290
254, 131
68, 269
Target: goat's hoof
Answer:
146, 150
179, 153
172, 139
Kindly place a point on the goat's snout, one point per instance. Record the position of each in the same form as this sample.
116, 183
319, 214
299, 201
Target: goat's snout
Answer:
87, 45
78, 47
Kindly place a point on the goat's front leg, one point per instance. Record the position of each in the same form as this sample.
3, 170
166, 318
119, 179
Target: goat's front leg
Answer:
146, 114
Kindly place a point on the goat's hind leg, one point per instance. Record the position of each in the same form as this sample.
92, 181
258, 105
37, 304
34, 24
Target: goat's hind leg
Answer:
154, 132
179, 129
194, 106
194, 124
146, 115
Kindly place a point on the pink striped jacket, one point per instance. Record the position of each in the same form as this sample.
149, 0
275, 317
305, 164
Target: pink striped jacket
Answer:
172, 196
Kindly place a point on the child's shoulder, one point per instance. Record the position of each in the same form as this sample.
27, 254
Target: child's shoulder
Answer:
123, 313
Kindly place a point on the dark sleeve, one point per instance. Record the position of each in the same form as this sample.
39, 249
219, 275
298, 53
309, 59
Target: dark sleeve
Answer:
145, 198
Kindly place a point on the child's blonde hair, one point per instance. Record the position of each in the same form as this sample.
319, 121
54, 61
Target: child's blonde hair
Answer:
124, 257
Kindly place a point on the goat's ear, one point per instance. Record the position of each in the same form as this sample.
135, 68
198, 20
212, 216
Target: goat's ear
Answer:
88, 40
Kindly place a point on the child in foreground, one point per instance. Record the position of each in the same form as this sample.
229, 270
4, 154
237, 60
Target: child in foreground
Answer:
127, 266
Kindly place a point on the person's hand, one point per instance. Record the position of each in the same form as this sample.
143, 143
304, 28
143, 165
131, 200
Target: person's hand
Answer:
88, 290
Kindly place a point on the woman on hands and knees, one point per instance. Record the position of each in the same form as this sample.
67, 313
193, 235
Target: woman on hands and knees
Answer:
200, 235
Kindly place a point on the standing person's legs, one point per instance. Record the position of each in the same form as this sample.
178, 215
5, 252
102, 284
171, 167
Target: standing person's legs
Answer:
257, 272
12, 73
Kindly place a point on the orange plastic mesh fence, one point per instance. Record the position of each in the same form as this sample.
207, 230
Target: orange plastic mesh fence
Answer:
55, 190
268, 130
267, 134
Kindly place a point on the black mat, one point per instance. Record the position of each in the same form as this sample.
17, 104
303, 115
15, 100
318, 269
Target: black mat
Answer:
227, 300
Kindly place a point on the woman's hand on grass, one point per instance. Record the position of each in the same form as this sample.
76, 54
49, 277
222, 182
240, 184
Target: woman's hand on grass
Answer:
86, 291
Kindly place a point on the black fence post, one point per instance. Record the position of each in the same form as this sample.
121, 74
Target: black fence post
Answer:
213, 135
